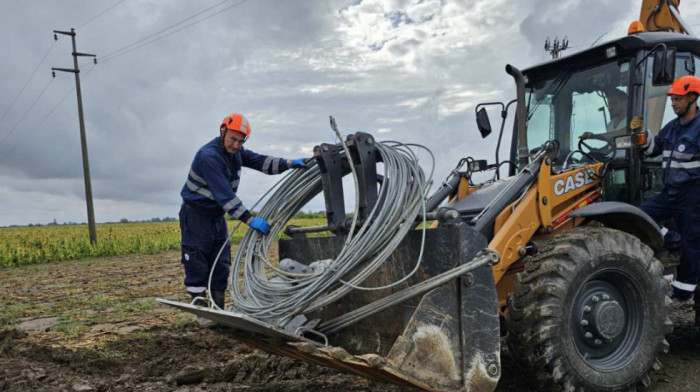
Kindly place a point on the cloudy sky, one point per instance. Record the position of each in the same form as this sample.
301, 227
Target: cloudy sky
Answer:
406, 70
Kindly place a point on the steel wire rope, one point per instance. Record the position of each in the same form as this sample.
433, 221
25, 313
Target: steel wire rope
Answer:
422, 248
351, 163
228, 240
28, 80
145, 41
400, 195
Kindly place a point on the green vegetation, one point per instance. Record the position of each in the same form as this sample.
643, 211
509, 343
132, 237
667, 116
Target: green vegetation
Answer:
47, 244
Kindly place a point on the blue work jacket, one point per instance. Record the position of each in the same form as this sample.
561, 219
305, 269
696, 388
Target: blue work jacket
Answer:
679, 145
214, 177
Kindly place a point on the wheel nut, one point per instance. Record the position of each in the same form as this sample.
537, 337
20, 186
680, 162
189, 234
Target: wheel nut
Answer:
586, 309
589, 335
595, 299
584, 322
606, 297
598, 342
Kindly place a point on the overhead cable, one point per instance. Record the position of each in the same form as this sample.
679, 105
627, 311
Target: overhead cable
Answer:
154, 37
27, 111
28, 80
48, 114
100, 14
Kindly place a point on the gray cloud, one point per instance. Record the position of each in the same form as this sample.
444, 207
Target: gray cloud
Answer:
402, 69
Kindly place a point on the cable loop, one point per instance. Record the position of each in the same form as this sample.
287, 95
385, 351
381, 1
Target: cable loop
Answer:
261, 290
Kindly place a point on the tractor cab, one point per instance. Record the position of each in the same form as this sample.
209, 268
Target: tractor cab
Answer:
586, 102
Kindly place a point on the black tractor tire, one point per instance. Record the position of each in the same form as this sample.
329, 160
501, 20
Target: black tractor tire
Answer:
590, 312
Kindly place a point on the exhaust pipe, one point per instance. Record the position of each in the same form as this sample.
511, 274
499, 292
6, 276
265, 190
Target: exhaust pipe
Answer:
521, 115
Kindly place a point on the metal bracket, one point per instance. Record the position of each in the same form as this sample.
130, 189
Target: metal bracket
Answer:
334, 166
365, 156
330, 164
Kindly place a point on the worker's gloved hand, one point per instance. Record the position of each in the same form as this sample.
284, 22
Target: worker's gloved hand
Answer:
298, 163
636, 123
260, 225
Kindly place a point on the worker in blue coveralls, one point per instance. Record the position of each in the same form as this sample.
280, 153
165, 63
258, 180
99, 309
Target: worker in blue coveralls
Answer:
210, 193
679, 144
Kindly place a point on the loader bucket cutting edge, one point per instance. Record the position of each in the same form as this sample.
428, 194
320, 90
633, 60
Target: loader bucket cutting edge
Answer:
445, 340
274, 340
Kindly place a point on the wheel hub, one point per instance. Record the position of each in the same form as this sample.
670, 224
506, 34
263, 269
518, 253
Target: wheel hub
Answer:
602, 319
608, 319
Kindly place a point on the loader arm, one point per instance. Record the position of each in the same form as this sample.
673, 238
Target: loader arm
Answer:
663, 15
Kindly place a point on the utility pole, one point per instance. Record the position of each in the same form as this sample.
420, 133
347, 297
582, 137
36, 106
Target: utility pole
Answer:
83, 141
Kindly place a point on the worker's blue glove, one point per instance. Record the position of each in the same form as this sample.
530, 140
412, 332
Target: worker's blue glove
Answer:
299, 163
260, 225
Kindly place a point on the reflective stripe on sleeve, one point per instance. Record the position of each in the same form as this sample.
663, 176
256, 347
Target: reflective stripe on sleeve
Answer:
239, 211
650, 149
276, 166
683, 286
685, 165
266, 165
685, 156
231, 204
202, 191
197, 178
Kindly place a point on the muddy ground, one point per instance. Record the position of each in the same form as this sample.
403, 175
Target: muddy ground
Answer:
94, 325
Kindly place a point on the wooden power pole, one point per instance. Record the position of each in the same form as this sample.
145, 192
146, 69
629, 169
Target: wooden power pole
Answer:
83, 141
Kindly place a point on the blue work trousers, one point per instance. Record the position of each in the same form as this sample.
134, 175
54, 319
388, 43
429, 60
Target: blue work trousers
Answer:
683, 205
203, 236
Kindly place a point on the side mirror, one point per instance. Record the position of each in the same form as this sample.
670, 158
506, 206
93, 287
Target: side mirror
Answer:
664, 72
623, 142
483, 123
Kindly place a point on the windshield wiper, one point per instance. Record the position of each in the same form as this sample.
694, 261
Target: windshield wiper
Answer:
555, 88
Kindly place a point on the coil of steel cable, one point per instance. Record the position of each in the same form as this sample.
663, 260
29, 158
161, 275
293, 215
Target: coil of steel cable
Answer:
401, 199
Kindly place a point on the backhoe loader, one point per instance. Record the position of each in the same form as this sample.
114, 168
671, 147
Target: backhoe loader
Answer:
555, 259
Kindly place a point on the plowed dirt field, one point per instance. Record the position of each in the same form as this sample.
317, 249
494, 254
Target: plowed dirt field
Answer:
94, 325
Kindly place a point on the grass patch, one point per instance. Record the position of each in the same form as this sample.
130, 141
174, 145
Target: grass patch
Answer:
182, 319
11, 315
71, 329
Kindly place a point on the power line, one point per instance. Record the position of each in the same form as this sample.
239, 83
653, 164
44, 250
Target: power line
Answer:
100, 14
27, 82
27, 111
165, 29
131, 47
40, 123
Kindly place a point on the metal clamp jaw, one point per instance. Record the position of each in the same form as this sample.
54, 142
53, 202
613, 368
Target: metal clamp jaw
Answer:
334, 165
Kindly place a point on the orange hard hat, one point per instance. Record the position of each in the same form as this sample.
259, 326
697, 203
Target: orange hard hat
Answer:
684, 85
236, 122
